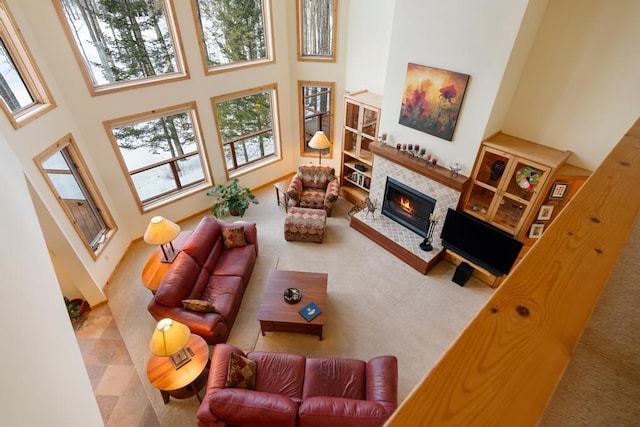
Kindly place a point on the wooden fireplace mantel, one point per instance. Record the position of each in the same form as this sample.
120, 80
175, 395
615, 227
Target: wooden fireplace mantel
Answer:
436, 173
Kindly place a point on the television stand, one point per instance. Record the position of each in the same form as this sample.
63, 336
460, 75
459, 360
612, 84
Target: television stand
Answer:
479, 272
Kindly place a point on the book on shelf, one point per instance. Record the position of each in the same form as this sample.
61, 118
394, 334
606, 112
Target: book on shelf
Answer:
310, 311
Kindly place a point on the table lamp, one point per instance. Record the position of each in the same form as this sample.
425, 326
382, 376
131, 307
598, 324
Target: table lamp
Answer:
169, 340
319, 142
161, 232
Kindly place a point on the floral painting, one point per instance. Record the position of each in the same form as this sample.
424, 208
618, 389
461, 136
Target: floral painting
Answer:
432, 99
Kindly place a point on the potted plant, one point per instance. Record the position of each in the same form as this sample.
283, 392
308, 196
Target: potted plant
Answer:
232, 197
76, 308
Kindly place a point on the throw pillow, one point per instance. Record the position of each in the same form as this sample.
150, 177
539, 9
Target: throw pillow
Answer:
199, 305
242, 372
233, 236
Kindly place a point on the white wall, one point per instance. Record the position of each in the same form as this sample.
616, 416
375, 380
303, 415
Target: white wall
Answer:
42, 376
580, 89
468, 37
369, 31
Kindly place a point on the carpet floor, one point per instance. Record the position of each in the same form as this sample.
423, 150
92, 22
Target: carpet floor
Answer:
376, 304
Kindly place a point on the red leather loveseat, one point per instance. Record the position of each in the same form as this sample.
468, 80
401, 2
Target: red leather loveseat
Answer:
205, 284
294, 390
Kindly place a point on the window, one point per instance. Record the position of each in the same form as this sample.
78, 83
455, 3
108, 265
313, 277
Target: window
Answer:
68, 176
162, 154
317, 30
316, 113
246, 128
122, 43
23, 92
234, 33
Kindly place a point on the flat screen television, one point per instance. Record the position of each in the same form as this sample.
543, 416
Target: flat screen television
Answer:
479, 242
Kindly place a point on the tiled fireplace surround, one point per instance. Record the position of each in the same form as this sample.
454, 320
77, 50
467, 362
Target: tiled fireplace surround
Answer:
445, 196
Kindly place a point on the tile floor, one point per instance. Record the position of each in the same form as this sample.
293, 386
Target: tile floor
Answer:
118, 389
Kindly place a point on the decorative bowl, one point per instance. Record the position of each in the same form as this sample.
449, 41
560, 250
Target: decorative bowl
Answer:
292, 295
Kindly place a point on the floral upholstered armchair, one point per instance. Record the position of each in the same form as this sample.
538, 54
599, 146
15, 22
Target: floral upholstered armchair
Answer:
314, 187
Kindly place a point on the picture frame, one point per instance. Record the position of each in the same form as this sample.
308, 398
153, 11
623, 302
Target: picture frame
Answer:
559, 190
545, 212
432, 99
535, 232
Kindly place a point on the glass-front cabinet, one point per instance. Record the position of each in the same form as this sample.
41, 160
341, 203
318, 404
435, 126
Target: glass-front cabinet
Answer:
509, 175
361, 122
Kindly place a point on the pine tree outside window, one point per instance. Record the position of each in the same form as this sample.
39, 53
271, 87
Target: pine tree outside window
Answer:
316, 105
23, 94
247, 129
68, 176
123, 43
317, 30
234, 33
162, 154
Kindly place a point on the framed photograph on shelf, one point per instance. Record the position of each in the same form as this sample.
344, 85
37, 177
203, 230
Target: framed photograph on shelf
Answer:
559, 190
545, 212
536, 231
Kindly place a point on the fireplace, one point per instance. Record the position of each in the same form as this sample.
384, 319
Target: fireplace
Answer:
407, 206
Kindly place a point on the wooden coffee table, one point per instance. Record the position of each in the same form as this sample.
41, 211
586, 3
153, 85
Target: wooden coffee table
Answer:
276, 315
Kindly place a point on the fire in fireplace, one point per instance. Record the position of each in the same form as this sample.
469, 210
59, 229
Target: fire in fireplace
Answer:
407, 206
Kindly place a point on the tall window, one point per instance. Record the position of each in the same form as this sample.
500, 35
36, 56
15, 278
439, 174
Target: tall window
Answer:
246, 127
316, 105
123, 43
317, 30
234, 33
68, 176
162, 154
23, 93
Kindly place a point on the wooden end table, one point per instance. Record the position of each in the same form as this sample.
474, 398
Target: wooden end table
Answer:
283, 186
154, 269
185, 381
276, 315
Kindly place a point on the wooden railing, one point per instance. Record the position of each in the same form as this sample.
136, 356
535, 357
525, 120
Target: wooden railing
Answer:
504, 367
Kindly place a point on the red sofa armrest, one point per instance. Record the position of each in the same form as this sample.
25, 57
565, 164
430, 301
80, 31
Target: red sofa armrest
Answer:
337, 411
382, 380
249, 407
295, 188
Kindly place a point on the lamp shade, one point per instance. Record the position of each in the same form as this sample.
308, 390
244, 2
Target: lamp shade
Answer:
169, 338
161, 231
319, 141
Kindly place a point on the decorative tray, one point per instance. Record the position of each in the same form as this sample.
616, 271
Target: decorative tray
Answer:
292, 295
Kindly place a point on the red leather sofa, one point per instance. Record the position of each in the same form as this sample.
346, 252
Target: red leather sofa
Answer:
208, 272
294, 390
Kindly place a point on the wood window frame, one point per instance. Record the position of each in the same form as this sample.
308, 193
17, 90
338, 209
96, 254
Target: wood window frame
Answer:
191, 109
21, 56
101, 89
88, 183
268, 36
275, 128
304, 149
300, 41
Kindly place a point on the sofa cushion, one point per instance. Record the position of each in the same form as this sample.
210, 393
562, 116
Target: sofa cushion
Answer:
334, 377
279, 373
177, 284
336, 411
236, 262
233, 236
247, 407
199, 305
241, 372
225, 292
202, 240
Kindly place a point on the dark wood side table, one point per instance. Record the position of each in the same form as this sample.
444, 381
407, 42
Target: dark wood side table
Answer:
282, 187
185, 381
154, 269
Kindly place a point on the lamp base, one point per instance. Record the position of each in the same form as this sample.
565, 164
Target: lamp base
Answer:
169, 256
181, 358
